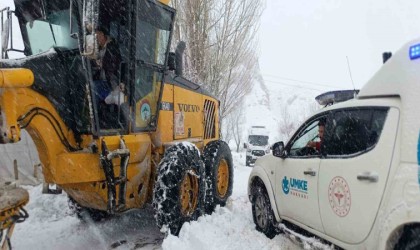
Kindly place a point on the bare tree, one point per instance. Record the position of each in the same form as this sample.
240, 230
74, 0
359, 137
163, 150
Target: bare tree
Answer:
286, 124
192, 25
227, 133
234, 125
289, 124
221, 45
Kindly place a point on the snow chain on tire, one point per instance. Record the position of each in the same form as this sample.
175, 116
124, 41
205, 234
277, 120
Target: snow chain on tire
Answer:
179, 190
219, 174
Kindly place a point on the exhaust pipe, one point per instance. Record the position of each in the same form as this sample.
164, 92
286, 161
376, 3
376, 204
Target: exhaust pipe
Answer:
179, 51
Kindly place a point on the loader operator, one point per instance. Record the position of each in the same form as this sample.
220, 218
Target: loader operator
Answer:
107, 86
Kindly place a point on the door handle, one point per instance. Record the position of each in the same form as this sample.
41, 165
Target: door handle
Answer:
309, 172
368, 176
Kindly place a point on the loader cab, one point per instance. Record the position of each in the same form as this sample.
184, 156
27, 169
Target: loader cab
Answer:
143, 36
61, 49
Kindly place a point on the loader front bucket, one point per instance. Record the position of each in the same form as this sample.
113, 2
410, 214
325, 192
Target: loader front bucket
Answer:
12, 200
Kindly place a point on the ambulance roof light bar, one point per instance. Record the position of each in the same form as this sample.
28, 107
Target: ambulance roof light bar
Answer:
331, 97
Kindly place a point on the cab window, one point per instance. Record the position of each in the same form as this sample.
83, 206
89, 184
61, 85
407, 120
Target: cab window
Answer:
48, 30
352, 132
298, 146
153, 27
146, 95
153, 32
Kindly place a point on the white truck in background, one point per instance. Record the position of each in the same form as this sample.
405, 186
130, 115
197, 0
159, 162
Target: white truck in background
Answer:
257, 144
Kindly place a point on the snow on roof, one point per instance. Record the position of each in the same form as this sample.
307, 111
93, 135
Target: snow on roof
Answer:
258, 130
17, 62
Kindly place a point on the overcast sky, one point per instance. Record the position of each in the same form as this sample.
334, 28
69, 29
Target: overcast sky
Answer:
308, 40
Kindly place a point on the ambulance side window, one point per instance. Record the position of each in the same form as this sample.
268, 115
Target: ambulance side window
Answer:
354, 131
309, 132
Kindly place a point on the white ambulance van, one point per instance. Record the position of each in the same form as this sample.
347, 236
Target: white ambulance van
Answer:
360, 189
257, 144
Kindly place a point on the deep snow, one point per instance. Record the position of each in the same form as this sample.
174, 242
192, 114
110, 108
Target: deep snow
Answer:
229, 227
52, 226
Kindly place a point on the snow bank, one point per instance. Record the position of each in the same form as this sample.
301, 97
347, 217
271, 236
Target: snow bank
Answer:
229, 227
51, 225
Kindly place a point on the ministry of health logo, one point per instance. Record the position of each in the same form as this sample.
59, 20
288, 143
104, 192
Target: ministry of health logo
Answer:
339, 196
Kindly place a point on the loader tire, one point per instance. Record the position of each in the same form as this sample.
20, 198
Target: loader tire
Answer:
86, 214
179, 189
219, 174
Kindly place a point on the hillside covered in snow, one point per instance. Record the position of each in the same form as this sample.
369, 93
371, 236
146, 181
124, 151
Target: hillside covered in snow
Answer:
279, 106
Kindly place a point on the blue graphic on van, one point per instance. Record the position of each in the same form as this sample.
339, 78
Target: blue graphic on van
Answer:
418, 159
418, 151
285, 185
294, 185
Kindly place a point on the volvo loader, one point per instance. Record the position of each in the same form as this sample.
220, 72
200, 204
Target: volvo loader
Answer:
159, 144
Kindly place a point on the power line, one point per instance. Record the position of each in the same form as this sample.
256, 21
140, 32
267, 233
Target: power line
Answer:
301, 81
291, 85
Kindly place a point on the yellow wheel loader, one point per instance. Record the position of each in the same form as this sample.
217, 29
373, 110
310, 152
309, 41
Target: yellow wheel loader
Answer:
159, 143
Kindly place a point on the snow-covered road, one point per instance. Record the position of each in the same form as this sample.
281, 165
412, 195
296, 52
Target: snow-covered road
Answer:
52, 226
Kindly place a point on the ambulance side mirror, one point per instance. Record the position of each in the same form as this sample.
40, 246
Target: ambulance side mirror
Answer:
278, 149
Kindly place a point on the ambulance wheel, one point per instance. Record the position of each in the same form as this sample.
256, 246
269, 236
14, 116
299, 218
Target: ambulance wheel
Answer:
219, 174
179, 189
262, 212
409, 240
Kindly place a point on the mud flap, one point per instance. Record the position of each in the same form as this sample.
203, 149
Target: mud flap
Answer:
46, 189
